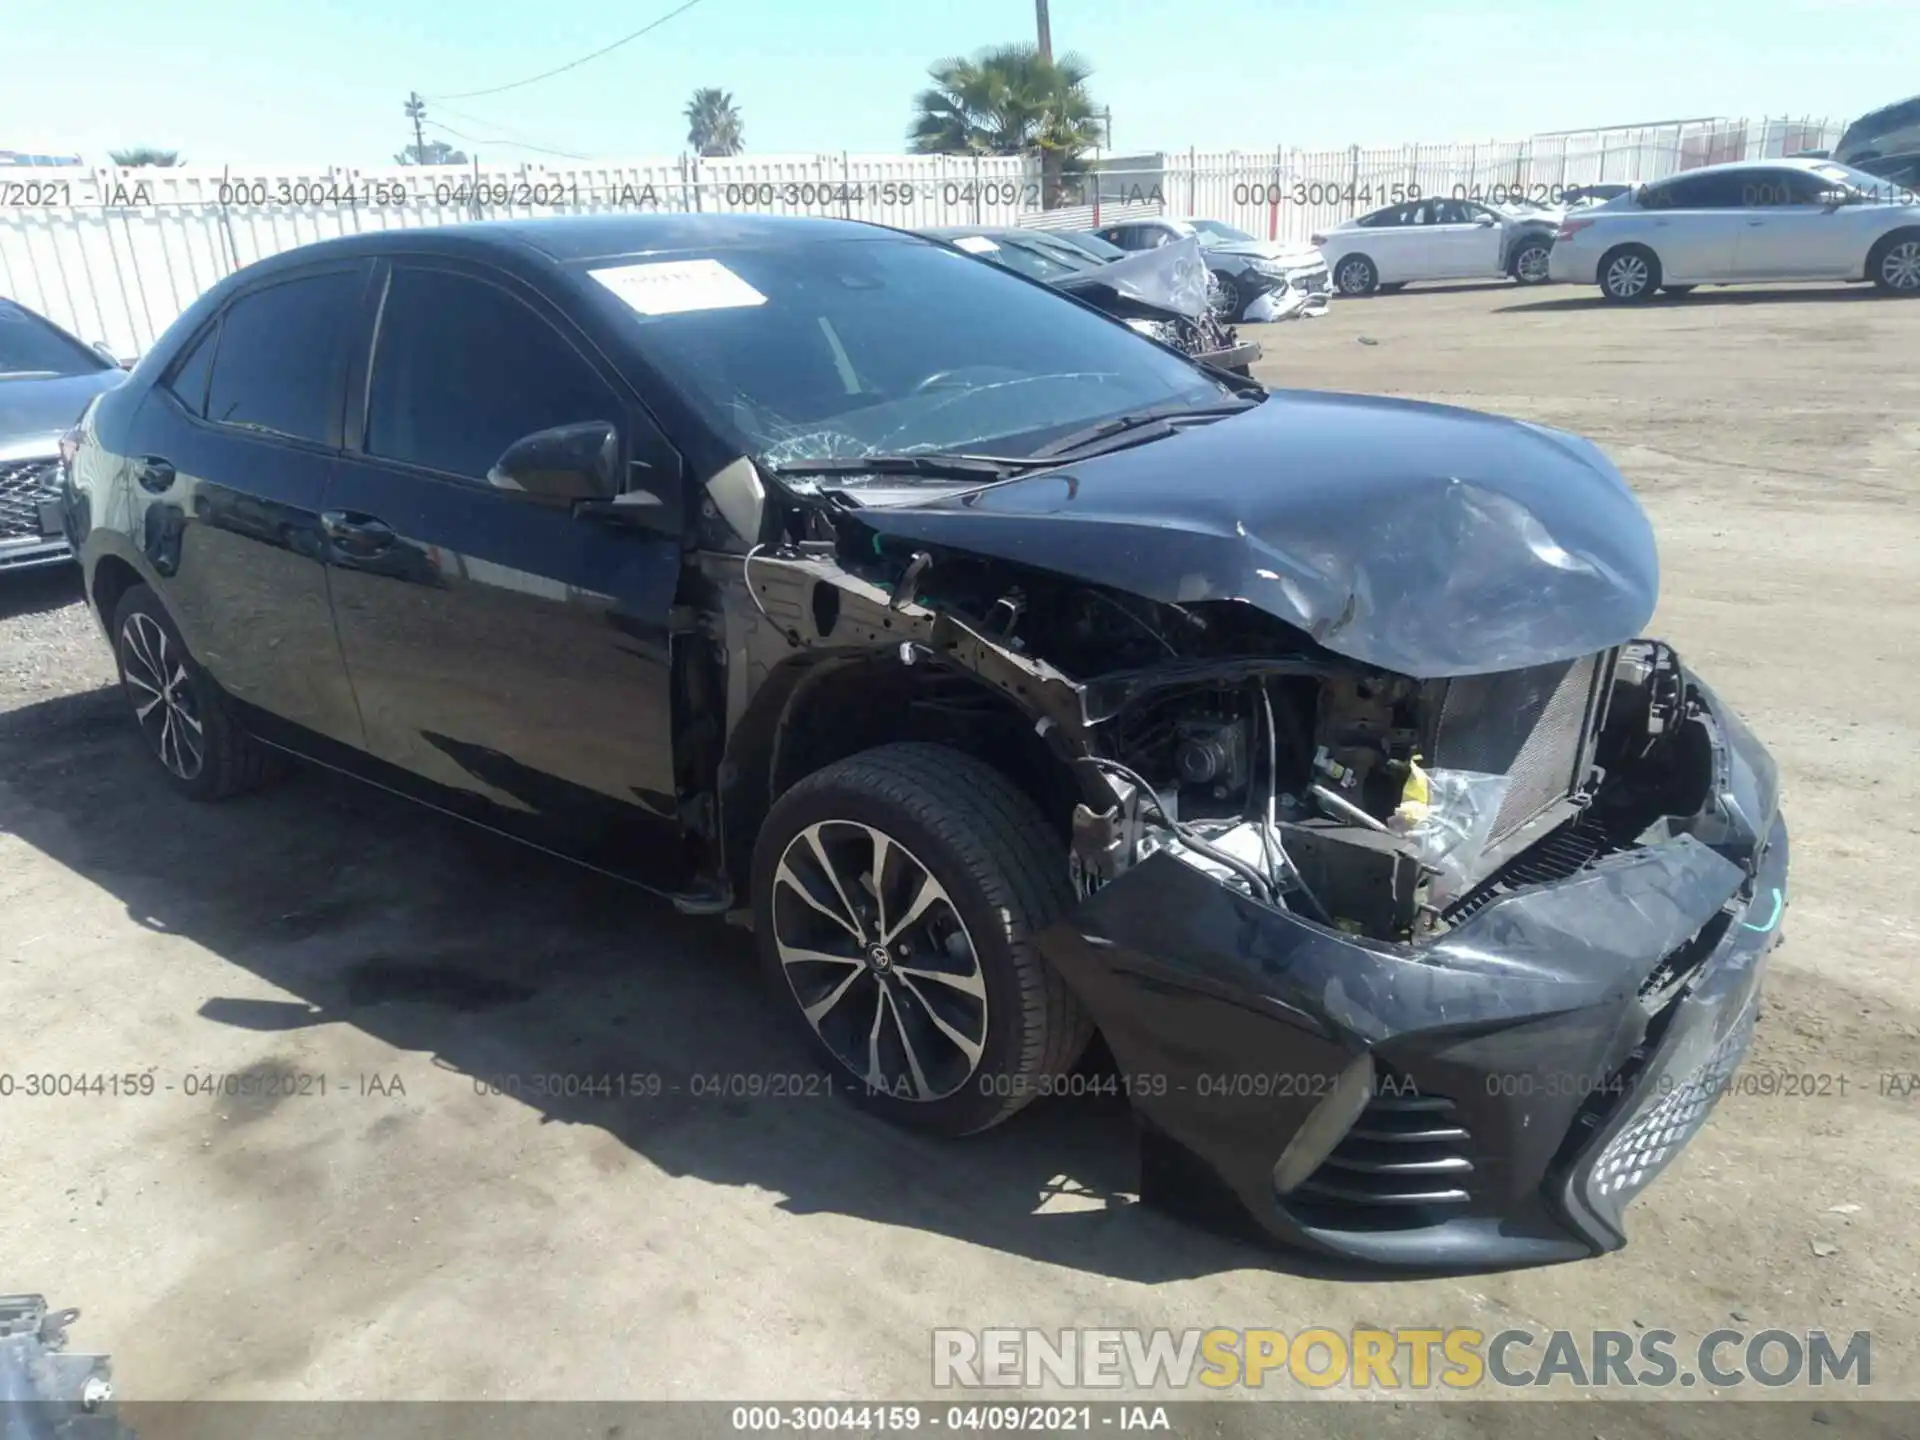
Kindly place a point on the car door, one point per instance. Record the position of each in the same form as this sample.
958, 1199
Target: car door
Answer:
1465, 239
1385, 237
509, 651
1693, 223
230, 455
1791, 231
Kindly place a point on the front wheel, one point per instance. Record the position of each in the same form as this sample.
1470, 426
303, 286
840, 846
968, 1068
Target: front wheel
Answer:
1629, 274
1530, 262
1223, 298
897, 897
1356, 275
1894, 265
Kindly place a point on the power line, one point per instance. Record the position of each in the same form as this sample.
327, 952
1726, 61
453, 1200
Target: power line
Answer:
514, 144
515, 136
572, 64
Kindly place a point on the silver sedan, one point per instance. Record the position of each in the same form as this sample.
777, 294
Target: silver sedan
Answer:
1769, 220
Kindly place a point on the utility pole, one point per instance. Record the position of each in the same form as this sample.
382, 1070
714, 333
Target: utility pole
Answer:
416, 109
1046, 31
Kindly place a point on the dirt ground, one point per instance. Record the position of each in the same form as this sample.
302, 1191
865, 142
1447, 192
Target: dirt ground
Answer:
405, 1235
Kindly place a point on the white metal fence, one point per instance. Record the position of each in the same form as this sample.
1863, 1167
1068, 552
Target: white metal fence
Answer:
116, 255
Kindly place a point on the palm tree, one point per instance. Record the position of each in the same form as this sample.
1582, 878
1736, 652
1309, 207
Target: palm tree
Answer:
714, 126
1009, 101
144, 155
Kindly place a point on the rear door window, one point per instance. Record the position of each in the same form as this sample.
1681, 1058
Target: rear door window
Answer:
277, 367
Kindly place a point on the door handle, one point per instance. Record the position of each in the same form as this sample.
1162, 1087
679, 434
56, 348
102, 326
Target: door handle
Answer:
154, 474
356, 534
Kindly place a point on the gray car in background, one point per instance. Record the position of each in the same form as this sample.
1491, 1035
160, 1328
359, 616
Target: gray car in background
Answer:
47, 379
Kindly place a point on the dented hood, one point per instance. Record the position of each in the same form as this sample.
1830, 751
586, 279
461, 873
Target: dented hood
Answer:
1422, 539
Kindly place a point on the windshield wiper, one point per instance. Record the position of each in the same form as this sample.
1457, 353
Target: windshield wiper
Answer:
1139, 426
930, 466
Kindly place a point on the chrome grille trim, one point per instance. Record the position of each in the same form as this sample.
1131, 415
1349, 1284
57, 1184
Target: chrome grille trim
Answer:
23, 484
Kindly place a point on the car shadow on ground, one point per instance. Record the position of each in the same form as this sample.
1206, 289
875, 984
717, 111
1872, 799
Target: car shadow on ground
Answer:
482, 956
1591, 299
44, 587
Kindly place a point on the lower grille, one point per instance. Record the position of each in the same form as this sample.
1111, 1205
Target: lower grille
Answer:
1405, 1163
23, 485
1560, 853
1530, 725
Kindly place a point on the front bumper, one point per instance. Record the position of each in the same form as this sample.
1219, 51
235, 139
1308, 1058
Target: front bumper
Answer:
1529, 1072
32, 524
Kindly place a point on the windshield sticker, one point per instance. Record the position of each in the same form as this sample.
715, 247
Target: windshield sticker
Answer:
674, 287
975, 245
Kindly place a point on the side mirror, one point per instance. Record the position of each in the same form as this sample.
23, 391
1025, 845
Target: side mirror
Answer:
1834, 199
1484, 221
564, 464
101, 349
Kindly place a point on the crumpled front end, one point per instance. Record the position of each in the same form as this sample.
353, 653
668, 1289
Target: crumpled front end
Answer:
1494, 1092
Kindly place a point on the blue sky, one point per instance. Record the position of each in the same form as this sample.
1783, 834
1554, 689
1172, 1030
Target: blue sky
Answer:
247, 83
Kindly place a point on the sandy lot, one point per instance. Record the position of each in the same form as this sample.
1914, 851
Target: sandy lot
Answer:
405, 1235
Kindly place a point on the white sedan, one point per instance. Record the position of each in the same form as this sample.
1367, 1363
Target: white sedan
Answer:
1768, 220
1437, 239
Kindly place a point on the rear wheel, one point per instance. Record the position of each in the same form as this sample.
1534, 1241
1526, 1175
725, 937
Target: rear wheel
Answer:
1530, 262
897, 897
1894, 264
1629, 274
181, 713
1356, 275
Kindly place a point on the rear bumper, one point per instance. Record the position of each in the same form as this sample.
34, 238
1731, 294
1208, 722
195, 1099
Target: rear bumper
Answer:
1527, 1074
1573, 265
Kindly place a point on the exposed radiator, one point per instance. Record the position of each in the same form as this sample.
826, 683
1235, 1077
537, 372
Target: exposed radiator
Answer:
1534, 726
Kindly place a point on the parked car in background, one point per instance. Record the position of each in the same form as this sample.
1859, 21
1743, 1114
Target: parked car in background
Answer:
1091, 243
1437, 239
1579, 197
1147, 291
1257, 280
47, 378
1885, 143
1018, 677
1760, 220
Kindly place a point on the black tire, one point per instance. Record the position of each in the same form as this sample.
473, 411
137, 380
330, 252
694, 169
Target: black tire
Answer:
1526, 269
1677, 289
1894, 263
1629, 274
1355, 275
1224, 301
1002, 873
1393, 287
201, 748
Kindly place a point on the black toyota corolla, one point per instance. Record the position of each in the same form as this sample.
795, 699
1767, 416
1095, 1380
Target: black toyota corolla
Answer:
1012, 675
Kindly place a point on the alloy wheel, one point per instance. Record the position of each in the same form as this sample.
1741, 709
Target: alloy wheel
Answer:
1531, 264
1900, 266
162, 698
1627, 276
1222, 299
879, 960
1353, 277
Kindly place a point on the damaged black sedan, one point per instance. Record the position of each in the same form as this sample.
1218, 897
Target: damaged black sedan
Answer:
1012, 675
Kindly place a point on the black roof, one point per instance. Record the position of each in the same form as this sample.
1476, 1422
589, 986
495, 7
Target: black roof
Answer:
566, 238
